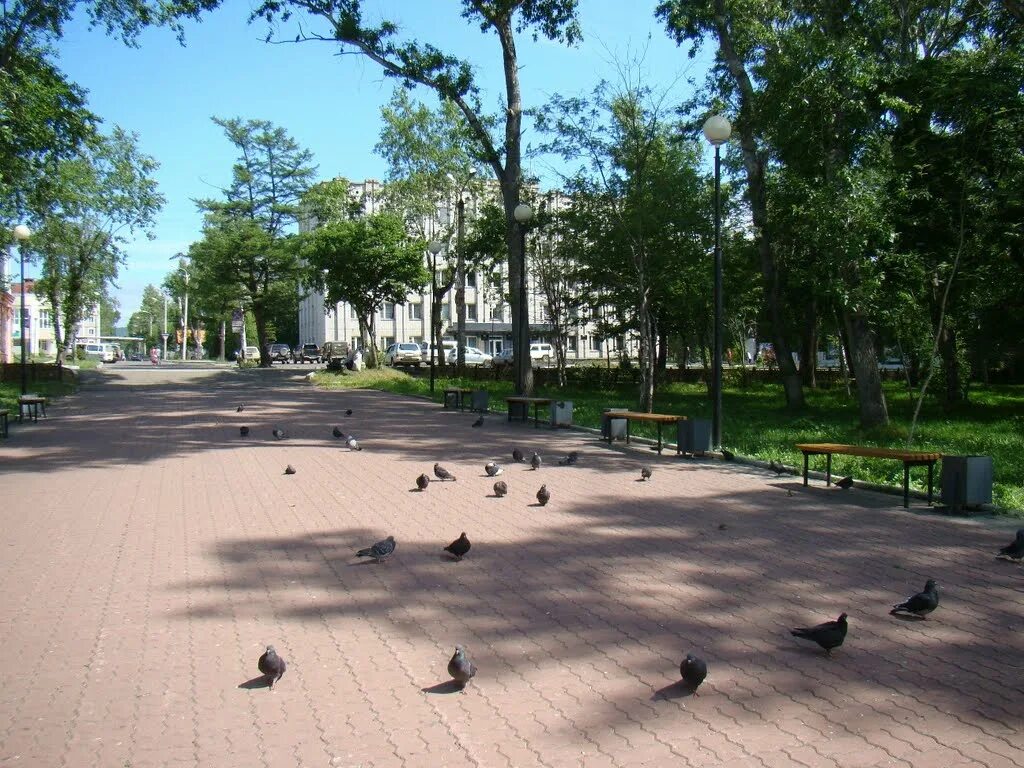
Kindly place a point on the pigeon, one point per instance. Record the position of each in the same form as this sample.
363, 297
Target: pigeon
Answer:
243, 431
352, 443
442, 473
535, 460
517, 456
500, 488
492, 469
460, 667
728, 455
422, 482
289, 470
272, 666
479, 422
645, 473
459, 547
348, 411
778, 469
569, 460
543, 495
846, 483
239, 409
922, 603
338, 433
693, 670
828, 635
279, 433
1014, 550
379, 551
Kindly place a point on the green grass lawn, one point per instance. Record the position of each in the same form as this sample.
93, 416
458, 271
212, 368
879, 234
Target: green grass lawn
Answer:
756, 424
10, 390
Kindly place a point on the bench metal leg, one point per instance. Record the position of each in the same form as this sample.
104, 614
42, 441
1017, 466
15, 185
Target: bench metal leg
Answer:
805, 469
828, 469
906, 485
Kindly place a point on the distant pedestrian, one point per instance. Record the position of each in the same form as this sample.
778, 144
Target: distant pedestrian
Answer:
154, 356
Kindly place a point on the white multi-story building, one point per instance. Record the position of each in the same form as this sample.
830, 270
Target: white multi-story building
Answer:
39, 322
488, 317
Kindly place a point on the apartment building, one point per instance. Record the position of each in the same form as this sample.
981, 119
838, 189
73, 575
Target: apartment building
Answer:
39, 331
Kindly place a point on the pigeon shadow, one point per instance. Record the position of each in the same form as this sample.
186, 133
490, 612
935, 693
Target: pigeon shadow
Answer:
538, 504
449, 686
369, 561
677, 690
907, 617
257, 682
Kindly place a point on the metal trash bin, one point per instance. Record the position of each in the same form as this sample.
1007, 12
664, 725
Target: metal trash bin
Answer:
479, 400
693, 436
966, 481
612, 428
561, 413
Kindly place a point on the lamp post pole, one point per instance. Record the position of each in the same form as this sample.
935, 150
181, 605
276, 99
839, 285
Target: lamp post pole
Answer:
21, 234
432, 350
521, 339
717, 130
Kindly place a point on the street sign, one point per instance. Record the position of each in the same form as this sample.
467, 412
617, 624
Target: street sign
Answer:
236, 320
164, 336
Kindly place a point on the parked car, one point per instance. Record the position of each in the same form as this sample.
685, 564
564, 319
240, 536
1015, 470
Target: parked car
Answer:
474, 357
310, 353
251, 353
280, 353
335, 353
543, 352
446, 347
503, 358
403, 354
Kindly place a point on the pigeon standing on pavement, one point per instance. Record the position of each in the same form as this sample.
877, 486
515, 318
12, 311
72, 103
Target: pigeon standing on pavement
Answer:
569, 460
442, 473
535, 461
289, 470
1015, 549
500, 488
348, 411
479, 422
922, 603
379, 551
492, 469
272, 666
243, 431
352, 443
422, 482
543, 495
279, 433
828, 635
846, 483
517, 456
693, 671
778, 469
645, 473
337, 432
728, 455
460, 667
459, 547
239, 409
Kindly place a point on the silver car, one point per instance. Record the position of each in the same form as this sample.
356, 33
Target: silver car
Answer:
474, 357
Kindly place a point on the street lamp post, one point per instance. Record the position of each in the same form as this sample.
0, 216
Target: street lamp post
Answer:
521, 338
434, 248
717, 131
21, 234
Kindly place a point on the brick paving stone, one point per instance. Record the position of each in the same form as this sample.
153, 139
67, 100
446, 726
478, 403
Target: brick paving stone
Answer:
151, 553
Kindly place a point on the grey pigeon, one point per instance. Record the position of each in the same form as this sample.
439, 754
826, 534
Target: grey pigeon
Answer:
645, 473
422, 482
535, 461
693, 671
500, 488
442, 473
279, 433
272, 666
459, 547
379, 551
492, 469
728, 455
239, 409
846, 483
479, 422
352, 443
460, 667
778, 469
517, 455
348, 411
337, 432
289, 470
543, 495
922, 603
243, 431
828, 635
569, 460
1015, 549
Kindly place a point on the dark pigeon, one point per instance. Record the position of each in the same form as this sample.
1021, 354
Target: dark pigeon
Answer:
379, 551
517, 455
243, 431
500, 488
459, 547
543, 495
239, 409
460, 667
535, 461
693, 671
922, 603
492, 469
337, 433
1015, 549
272, 666
778, 469
422, 482
352, 443
846, 483
645, 473
569, 460
479, 422
348, 412
279, 433
728, 455
828, 635
442, 473
289, 470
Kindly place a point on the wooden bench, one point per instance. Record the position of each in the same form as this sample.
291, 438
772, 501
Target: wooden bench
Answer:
32, 404
909, 459
523, 406
456, 396
3, 422
652, 418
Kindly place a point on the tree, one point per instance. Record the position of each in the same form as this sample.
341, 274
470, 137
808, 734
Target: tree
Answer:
365, 262
245, 239
148, 320
110, 313
415, 63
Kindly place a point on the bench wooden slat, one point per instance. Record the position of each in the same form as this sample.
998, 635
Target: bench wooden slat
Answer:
869, 451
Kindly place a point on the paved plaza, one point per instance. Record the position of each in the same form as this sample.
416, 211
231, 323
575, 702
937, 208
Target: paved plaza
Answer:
151, 553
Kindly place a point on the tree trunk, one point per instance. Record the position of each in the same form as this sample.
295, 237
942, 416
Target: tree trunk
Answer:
864, 361
223, 341
261, 334
809, 348
460, 289
953, 392
662, 360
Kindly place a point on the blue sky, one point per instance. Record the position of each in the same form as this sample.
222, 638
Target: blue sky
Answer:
329, 104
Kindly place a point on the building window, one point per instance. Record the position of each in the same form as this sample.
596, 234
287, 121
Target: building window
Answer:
355, 342
388, 310
498, 314
416, 311
352, 312
45, 321
386, 341
572, 344
446, 311
471, 311
416, 339
471, 279
472, 341
595, 343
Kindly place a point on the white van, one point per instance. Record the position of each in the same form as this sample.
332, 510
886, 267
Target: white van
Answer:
102, 352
